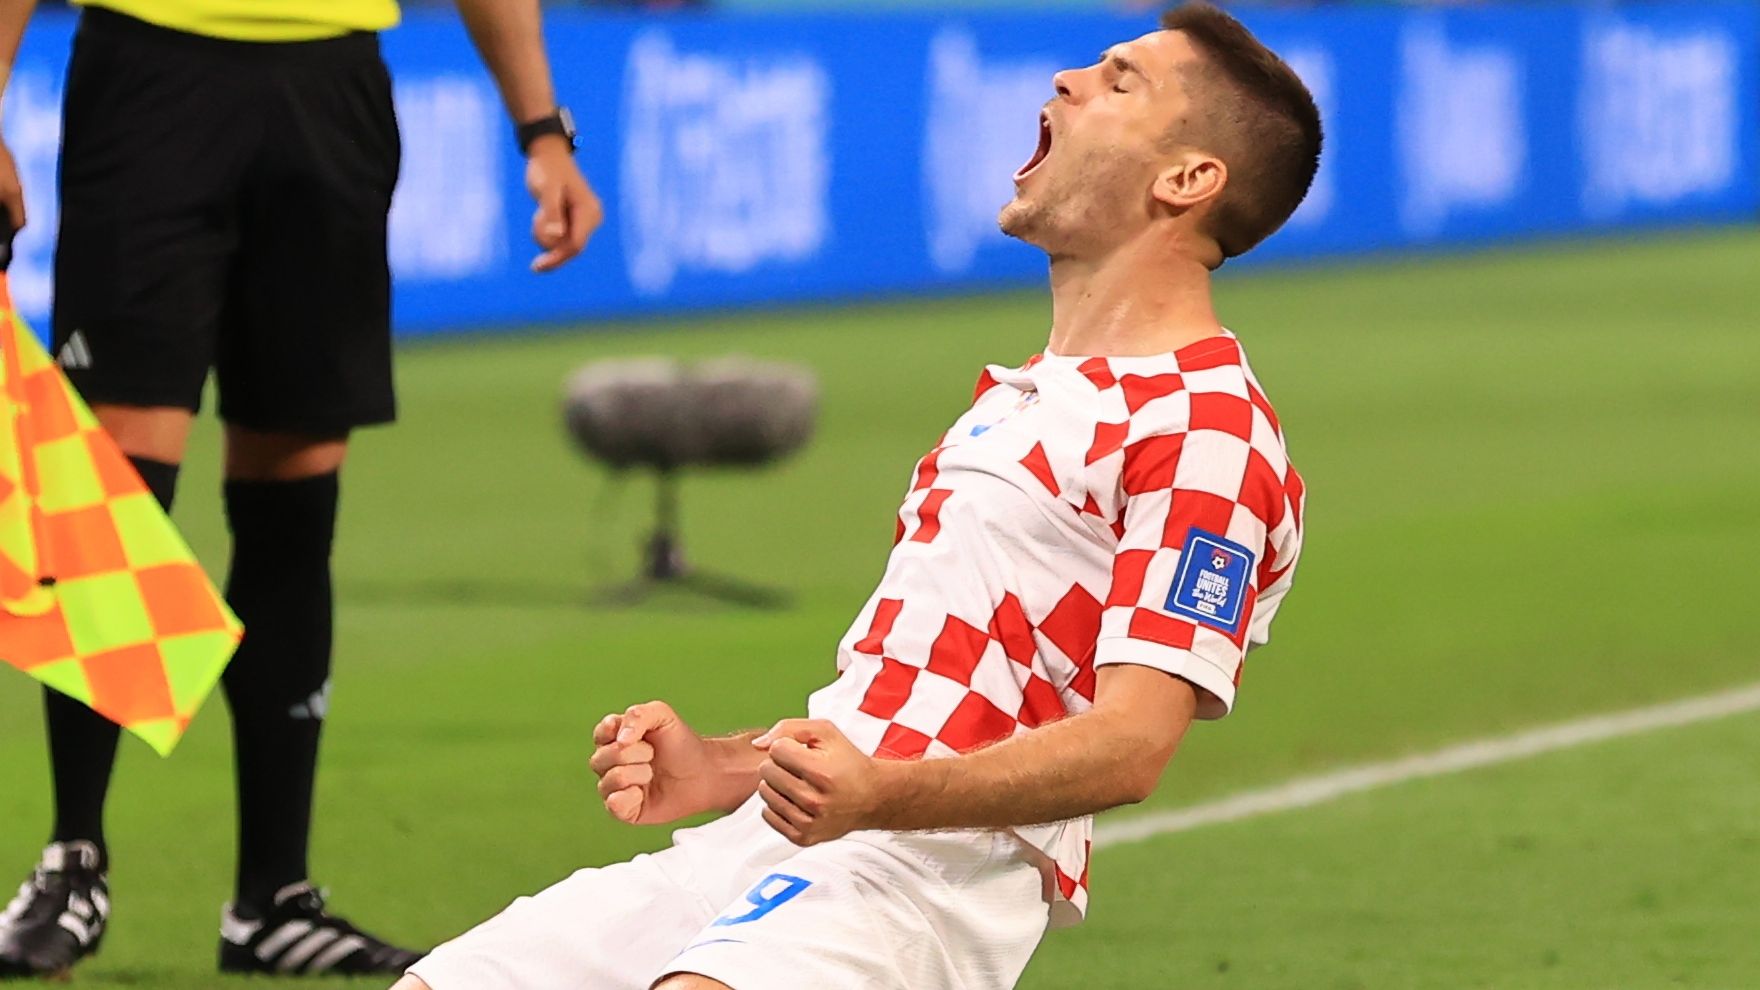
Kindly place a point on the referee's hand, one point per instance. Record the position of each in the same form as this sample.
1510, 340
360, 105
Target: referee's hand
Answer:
11, 192
568, 209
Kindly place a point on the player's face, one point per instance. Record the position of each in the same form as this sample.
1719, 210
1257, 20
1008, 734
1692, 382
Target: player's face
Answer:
1102, 140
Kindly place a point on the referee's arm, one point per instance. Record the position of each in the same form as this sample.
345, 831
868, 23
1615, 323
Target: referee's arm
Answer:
14, 15
509, 37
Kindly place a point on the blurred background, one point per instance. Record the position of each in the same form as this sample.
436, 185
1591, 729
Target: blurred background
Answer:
1513, 335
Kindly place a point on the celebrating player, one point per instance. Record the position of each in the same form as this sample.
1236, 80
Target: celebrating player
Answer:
1081, 565
226, 177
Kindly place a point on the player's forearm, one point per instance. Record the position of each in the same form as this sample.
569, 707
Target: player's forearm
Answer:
1079, 766
510, 38
733, 769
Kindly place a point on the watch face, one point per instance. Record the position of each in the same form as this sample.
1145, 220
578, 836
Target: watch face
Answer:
567, 120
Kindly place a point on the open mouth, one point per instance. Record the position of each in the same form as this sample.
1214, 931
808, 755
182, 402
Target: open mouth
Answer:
1039, 153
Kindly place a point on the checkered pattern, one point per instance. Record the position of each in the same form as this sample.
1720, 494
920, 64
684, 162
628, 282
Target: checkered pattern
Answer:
99, 596
1041, 539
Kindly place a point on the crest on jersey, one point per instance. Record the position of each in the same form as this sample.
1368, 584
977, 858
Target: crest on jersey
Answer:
1215, 577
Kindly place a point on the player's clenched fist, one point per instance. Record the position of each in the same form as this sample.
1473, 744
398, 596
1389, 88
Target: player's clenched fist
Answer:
653, 768
816, 785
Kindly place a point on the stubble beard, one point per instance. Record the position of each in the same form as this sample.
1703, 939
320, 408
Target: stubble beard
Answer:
1041, 219
1074, 217
1021, 217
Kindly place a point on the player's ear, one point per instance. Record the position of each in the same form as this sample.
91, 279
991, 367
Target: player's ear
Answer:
1191, 179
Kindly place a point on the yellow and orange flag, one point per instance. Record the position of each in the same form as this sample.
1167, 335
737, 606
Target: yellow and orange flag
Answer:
100, 598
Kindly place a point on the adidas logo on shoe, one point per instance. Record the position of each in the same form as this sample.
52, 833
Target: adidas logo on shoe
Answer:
298, 937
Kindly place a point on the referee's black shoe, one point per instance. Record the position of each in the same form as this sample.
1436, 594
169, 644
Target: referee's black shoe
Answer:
298, 937
59, 915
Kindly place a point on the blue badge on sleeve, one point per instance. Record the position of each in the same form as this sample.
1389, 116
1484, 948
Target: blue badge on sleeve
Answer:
1214, 576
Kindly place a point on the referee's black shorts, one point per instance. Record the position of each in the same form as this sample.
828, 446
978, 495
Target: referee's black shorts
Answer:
223, 205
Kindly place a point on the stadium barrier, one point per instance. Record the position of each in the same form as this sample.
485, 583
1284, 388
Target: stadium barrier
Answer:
757, 158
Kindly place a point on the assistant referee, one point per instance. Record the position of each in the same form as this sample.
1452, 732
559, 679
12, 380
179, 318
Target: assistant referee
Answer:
226, 175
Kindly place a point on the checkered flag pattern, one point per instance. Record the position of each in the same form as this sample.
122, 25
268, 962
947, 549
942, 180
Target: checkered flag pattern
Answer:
1044, 537
100, 598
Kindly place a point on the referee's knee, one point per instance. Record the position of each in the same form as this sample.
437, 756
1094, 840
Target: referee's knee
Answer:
256, 455
411, 982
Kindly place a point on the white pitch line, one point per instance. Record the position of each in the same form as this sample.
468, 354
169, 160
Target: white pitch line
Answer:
1305, 792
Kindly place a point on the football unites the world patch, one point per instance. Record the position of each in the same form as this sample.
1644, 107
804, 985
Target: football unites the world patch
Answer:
1214, 577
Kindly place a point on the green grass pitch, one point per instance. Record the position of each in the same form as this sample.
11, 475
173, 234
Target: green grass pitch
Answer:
1532, 478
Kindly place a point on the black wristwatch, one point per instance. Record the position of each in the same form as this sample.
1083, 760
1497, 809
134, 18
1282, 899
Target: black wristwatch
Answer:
558, 121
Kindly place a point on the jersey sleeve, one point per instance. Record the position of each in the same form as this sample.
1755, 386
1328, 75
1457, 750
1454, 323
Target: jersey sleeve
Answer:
1192, 588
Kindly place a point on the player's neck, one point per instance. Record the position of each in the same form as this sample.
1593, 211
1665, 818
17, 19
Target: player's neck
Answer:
1140, 299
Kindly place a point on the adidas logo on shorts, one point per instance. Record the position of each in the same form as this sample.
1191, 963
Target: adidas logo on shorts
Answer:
76, 354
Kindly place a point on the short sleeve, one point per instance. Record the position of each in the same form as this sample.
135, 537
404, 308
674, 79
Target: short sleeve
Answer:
1202, 512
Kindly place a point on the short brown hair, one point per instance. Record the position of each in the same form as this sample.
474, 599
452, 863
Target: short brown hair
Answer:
1261, 120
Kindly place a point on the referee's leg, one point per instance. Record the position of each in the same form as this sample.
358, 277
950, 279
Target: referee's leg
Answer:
157, 433
303, 358
139, 262
281, 501
82, 743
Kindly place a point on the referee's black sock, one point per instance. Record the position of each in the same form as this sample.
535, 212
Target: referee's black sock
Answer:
278, 682
82, 743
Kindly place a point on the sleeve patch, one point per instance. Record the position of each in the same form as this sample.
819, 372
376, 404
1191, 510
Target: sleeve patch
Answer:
1213, 581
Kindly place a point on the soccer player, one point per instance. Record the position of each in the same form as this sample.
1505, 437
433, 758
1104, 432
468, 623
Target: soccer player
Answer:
226, 175
1082, 562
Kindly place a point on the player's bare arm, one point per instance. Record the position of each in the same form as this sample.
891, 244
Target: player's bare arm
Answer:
509, 37
14, 15
653, 768
817, 786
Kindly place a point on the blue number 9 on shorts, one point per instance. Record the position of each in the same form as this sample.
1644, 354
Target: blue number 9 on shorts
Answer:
766, 896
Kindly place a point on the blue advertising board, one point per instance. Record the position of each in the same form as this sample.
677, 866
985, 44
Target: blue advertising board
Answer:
749, 159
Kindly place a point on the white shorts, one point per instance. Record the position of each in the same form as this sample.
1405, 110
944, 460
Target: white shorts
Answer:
734, 901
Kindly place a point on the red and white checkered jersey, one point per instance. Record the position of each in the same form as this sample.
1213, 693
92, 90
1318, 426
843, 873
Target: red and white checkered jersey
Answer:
1085, 511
